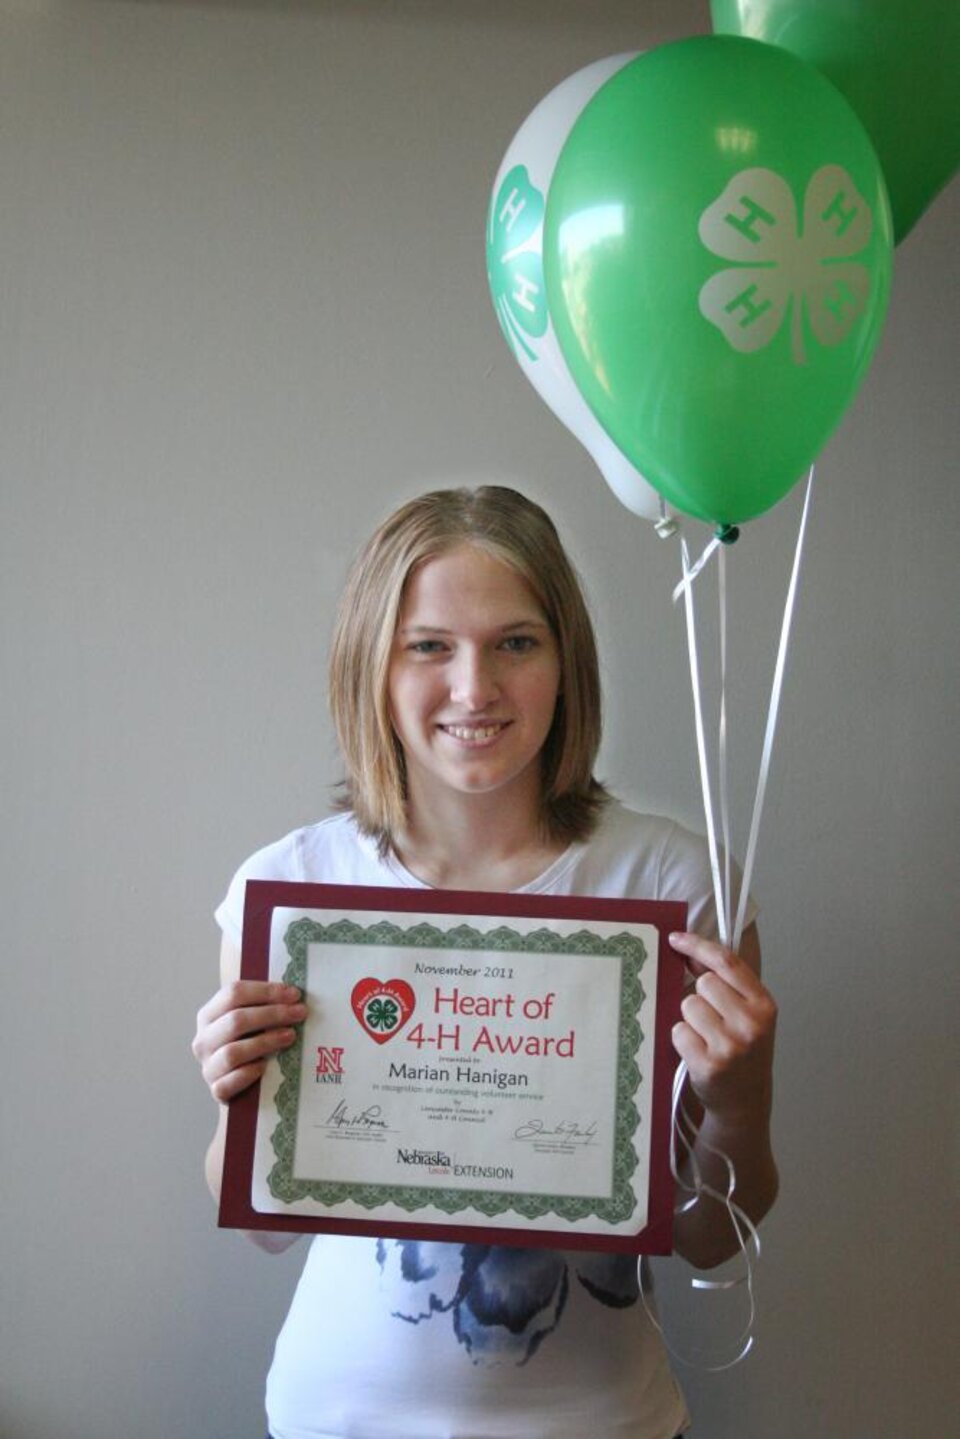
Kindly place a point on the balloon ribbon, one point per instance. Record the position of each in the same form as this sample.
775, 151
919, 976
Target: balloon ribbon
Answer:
683, 1128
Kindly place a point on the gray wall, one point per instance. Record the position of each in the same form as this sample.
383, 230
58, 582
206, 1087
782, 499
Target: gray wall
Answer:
243, 313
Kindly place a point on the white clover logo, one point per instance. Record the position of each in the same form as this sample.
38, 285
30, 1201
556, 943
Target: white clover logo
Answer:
780, 265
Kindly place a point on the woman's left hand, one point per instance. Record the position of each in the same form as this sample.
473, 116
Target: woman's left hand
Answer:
727, 1031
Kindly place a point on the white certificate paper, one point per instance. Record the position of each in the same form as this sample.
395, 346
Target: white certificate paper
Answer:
463, 1070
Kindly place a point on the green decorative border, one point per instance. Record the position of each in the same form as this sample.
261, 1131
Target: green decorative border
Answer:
631, 952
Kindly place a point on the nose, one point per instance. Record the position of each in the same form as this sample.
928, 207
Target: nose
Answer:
473, 680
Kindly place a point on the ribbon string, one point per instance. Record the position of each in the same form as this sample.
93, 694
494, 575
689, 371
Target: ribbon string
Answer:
722, 734
687, 591
731, 931
772, 713
684, 1131
691, 571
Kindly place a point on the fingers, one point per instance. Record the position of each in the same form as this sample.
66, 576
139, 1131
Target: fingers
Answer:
706, 955
726, 1017
244, 993
714, 1005
234, 1067
240, 1028
689, 1045
721, 1026
726, 1032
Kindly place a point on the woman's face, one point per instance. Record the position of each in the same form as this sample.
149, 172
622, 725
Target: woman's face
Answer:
474, 678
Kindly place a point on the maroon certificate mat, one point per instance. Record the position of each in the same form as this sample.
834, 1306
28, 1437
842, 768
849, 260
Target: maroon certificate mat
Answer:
472, 1068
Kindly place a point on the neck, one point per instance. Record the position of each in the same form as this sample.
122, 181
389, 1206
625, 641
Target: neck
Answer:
476, 842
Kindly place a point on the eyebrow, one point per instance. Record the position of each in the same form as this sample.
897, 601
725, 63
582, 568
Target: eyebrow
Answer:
503, 630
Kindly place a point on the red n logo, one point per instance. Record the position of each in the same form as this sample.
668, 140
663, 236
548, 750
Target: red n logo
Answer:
329, 1061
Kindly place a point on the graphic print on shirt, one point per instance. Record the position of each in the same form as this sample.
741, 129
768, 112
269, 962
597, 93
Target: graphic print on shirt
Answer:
502, 1302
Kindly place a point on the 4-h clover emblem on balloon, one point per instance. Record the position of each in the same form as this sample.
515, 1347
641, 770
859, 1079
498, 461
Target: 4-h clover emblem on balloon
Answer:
515, 271
515, 274
785, 265
717, 255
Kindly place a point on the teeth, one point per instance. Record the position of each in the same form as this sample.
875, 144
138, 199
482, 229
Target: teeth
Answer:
465, 732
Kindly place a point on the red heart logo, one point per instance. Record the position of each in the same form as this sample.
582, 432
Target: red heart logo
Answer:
382, 1007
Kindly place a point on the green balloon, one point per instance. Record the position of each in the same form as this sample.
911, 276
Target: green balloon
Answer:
717, 254
896, 61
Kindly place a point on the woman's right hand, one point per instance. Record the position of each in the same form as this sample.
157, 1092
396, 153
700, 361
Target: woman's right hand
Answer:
241, 1027
238, 1030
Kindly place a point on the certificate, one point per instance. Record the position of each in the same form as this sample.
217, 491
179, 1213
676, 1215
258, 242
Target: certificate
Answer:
480, 1067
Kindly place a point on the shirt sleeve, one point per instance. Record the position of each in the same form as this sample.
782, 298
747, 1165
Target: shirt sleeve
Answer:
685, 873
276, 861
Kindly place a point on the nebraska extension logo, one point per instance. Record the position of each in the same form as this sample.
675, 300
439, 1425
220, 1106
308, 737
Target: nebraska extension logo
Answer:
329, 1064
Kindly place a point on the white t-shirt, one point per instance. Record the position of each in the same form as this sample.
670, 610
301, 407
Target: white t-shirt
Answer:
391, 1339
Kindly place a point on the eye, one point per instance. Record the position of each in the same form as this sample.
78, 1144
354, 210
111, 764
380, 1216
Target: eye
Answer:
426, 647
519, 644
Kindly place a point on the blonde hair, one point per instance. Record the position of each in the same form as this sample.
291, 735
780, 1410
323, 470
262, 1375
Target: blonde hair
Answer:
519, 533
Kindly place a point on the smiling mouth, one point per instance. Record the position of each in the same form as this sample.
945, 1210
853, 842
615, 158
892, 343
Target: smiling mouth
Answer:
474, 734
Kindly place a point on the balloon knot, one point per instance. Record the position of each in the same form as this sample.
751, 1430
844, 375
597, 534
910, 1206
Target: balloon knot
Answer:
727, 534
666, 526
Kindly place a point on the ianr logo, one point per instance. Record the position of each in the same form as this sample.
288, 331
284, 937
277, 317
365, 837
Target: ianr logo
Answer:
329, 1065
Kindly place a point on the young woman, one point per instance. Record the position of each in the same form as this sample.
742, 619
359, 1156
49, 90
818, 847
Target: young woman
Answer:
465, 692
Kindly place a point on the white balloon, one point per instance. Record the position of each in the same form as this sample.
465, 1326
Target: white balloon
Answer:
515, 272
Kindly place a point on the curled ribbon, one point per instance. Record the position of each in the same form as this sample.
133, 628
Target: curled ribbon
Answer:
684, 1131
